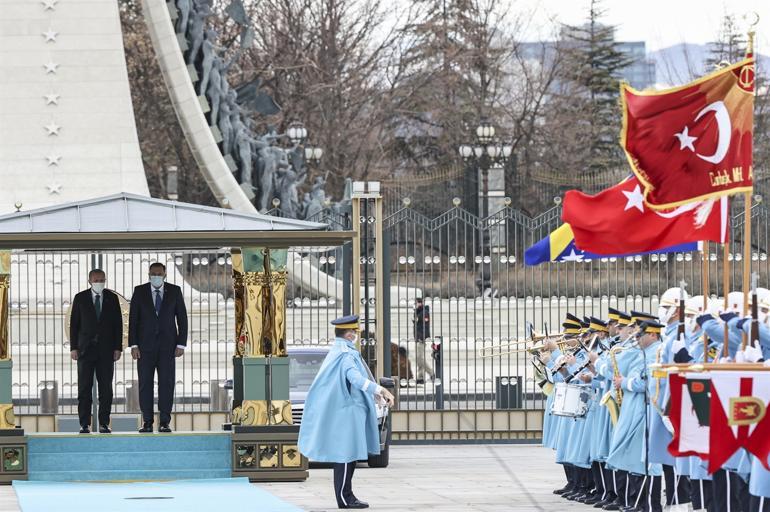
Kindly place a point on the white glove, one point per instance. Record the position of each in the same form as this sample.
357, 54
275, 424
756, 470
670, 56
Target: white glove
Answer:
725, 360
749, 355
678, 345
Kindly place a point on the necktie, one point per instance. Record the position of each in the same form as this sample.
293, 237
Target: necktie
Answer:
157, 302
98, 306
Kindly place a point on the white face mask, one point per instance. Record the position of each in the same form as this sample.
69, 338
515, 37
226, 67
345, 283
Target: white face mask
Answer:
156, 281
664, 314
354, 340
689, 323
98, 287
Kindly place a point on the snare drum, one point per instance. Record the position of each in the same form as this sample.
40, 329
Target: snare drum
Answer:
571, 400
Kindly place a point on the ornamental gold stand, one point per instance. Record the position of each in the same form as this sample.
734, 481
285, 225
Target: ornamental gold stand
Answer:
264, 440
13, 442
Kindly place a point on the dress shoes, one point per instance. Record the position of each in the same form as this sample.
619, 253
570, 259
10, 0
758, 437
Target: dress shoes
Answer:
585, 498
355, 504
85, 429
611, 506
104, 429
593, 500
146, 428
606, 501
566, 488
164, 428
572, 495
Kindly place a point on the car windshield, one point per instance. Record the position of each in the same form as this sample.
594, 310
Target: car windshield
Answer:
303, 369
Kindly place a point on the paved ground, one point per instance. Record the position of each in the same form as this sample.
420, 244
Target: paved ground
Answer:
451, 478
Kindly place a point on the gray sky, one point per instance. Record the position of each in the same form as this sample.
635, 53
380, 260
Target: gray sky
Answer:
660, 23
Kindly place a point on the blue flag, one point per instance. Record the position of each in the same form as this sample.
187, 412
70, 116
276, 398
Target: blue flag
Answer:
559, 246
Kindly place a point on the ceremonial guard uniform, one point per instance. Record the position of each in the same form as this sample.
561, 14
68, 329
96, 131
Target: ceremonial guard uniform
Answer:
339, 422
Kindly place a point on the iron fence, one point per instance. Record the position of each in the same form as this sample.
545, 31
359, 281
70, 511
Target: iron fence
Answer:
468, 271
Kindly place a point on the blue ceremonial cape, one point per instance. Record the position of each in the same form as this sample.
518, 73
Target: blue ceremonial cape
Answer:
339, 423
628, 445
660, 437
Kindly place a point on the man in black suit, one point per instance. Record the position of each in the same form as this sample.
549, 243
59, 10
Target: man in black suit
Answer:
96, 339
157, 332
421, 322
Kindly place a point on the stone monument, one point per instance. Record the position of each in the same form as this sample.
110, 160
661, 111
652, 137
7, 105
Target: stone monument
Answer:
67, 129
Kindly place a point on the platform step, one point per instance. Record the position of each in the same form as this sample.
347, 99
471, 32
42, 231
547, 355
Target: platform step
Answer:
127, 442
127, 475
89, 461
127, 457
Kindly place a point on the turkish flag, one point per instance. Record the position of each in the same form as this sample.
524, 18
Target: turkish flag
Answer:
617, 221
692, 142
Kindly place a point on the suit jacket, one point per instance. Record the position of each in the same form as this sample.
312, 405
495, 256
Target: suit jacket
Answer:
162, 332
422, 322
90, 336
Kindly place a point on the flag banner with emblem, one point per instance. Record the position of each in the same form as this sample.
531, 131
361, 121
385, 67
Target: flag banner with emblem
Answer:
693, 142
559, 246
689, 414
618, 221
738, 416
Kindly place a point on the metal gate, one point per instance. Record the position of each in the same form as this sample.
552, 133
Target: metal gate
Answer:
471, 275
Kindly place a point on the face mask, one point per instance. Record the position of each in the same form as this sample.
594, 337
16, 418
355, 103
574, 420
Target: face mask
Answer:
664, 314
355, 339
156, 281
97, 287
689, 323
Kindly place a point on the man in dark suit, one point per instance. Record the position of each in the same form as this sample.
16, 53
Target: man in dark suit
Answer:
96, 339
421, 322
157, 332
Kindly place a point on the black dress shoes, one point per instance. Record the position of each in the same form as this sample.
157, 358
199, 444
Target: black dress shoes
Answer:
164, 428
146, 428
85, 429
611, 506
593, 499
355, 504
104, 429
566, 488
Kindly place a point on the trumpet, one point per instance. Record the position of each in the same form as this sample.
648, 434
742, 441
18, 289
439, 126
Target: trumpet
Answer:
482, 350
534, 350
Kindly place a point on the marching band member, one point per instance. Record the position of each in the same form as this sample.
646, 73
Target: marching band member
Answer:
677, 486
628, 447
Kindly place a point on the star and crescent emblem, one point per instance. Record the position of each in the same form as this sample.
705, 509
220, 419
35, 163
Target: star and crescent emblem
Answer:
724, 133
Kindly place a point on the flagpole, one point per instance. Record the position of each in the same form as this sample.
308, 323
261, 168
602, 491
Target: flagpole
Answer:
746, 259
726, 291
705, 286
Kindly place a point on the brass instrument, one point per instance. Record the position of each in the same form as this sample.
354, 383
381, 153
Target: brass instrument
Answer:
613, 403
534, 349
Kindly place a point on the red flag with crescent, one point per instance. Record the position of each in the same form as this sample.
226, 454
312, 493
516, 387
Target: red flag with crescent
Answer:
693, 142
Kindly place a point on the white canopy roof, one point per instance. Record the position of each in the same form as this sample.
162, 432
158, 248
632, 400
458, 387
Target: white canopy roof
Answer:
132, 221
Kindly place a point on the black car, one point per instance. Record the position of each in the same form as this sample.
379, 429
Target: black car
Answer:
304, 363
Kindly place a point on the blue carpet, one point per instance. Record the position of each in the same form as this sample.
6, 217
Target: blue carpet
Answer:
179, 496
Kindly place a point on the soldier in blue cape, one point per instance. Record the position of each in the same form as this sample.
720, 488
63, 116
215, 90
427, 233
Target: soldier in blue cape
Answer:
628, 450
339, 423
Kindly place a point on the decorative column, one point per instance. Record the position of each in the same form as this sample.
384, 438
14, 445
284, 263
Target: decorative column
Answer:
264, 439
13, 443
7, 418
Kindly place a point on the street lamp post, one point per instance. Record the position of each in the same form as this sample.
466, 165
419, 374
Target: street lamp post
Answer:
486, 152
